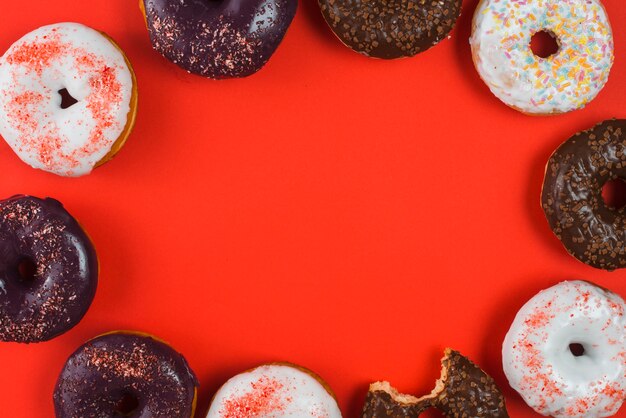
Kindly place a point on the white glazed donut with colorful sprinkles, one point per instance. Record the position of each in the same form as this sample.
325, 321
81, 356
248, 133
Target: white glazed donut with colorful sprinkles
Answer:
566, 351
87, 65
565, 81
274, 391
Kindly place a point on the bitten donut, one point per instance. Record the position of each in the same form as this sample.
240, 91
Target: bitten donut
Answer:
218, 39
279, 390
562, 82
572, 200
390, 28
48, 270
125, 374
565, 352
68, 98
463, 390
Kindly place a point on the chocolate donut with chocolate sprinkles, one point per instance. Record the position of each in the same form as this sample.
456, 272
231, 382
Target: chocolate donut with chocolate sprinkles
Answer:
48, 270
125, 374
218, 38
463, 390
572, 201
391, 28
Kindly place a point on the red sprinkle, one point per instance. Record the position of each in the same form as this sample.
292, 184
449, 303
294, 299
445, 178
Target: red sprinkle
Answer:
262, 400
38, 55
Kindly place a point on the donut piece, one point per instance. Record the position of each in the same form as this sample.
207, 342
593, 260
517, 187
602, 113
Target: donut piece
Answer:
48, 270
68, 98
566, 351
565, 81
218, 39
463, 390
277, 390
390, 29
125, 374
572, 200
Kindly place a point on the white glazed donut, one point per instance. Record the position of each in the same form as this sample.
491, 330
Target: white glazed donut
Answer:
540, 358
569, 79
274, 391
93, 70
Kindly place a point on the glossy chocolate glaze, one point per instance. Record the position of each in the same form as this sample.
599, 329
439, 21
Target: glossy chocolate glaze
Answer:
218, 38
572, 195
41, 232
464, 390
391, 28
112, 367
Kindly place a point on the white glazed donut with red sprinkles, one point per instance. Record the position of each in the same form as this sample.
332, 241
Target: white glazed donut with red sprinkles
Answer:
566, 351
274, 391
68, 141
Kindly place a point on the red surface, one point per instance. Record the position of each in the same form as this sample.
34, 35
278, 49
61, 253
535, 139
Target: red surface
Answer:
352, 215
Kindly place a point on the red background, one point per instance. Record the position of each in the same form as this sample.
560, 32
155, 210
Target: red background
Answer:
352, 215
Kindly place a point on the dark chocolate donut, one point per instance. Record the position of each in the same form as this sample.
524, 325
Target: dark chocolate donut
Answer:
125, 374
48, 270
572, 200
391, 28
218, 38
463, 390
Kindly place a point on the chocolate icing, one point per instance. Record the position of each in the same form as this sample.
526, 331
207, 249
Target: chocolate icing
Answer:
464, 390
218, 38
572, 195
113, 367
391, 28
42, 233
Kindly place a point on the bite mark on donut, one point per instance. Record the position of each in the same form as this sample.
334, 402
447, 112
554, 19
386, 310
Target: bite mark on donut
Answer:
462, 390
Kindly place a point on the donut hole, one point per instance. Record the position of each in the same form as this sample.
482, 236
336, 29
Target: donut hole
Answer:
126, 405
544, 44
614, 193
27, 271
577, 349
66, 99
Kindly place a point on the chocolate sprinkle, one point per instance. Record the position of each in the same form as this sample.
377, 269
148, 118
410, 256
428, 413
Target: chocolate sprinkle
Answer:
391, 28
41, 233
572, 195
113, 367
464, 390
218, 38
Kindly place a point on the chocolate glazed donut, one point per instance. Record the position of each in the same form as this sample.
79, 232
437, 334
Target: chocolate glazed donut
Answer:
463, 390
125, 374
572, 200
218, 38
391, 28
48, 270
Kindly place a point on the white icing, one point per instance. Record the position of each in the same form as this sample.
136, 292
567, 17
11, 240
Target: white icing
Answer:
539, 364
565, 81
273, 391
68, 142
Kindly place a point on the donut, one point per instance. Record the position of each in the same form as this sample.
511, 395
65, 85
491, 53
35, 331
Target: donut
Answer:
276, 390
565, 352
125, 374
225, 39
68, 98
463, 390
562, 82
48, 270
571, 198
390, 29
